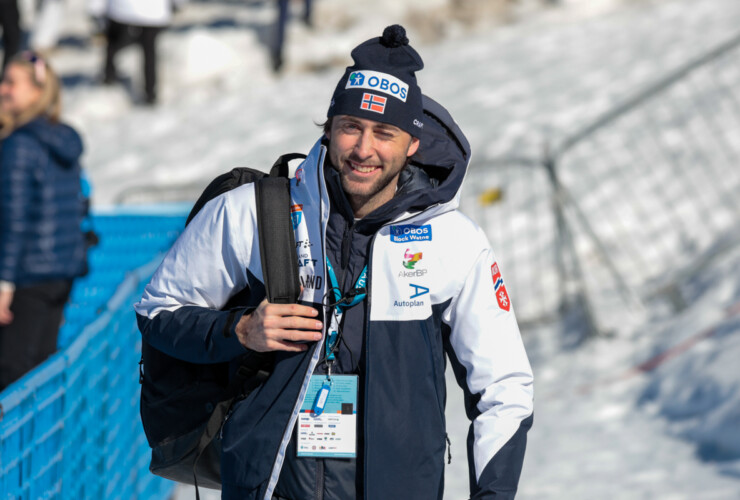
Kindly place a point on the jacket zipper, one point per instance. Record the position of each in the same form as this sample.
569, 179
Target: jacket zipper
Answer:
366, 370
319, 479
369, 286
346, 245
319, 345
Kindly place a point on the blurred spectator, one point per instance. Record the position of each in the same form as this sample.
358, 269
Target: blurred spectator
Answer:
282, 20
10, 22
42, 246
47, 25
134, 21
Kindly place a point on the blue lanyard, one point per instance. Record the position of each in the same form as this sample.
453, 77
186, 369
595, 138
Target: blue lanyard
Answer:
342, 304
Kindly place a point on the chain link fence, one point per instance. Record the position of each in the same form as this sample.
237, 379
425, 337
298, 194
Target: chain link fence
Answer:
630, 206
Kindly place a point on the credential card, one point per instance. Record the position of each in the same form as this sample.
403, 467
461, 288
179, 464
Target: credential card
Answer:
333, 434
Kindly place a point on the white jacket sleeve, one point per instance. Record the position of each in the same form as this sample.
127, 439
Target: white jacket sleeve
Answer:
488, 349
179, 311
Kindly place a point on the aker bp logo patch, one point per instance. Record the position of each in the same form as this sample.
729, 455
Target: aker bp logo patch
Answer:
410, 259
296, 215
410, 232
502, 296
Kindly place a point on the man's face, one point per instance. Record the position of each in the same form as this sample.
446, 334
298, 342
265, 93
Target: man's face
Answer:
369, 157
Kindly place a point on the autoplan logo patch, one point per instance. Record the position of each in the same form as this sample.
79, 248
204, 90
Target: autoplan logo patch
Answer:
410, 259
416, 291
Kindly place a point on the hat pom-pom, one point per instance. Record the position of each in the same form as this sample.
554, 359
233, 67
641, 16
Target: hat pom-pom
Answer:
394, 36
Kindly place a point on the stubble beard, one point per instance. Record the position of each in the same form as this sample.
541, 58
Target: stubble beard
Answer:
367, 195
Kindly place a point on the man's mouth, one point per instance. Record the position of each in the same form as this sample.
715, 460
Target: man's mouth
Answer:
363, 169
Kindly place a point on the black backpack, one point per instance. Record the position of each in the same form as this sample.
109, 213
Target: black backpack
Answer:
184, 405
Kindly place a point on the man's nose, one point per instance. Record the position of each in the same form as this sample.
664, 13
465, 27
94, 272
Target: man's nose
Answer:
365, 144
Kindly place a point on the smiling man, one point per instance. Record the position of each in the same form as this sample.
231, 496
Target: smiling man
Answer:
369, 157
396, 283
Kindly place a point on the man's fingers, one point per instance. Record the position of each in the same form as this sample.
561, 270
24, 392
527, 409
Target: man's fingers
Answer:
292, 323
279, 345
291, 334
290, 310
300, 336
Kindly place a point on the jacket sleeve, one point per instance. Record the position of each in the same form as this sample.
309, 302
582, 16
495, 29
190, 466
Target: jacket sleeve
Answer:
179, 313
20, 152
487, 354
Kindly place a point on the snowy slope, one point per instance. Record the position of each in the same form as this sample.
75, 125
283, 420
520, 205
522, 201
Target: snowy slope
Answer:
603, 428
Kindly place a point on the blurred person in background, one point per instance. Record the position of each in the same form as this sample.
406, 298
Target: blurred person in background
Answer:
10, 23
42, 207
276, 54
47, 26
134, 21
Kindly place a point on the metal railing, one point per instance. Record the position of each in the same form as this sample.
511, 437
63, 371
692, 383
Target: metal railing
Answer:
629, 207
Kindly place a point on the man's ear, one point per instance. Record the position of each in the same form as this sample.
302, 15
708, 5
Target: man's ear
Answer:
413, 146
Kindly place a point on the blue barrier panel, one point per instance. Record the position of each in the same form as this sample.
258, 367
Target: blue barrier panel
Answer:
70, 429
16, 437
129, 238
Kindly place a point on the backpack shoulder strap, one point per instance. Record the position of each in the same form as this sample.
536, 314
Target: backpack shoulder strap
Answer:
281, 167
276, 236
223, 183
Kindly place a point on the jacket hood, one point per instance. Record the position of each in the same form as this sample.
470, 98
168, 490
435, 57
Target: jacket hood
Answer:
442, 157
433, 177
62, 141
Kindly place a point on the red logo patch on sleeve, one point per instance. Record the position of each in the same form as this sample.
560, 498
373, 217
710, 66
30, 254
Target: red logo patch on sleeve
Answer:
502, 297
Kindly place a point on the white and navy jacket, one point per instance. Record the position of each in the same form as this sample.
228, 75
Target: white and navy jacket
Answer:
452, 300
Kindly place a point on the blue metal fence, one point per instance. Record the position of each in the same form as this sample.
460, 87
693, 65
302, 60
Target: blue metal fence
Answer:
70, 429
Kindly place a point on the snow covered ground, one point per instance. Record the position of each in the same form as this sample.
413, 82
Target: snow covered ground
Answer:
604, 427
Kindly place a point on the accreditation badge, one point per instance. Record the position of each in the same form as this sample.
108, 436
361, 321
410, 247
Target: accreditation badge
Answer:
327, 423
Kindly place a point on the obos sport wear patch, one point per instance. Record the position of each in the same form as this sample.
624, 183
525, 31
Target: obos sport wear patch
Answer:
411, 232
382, 82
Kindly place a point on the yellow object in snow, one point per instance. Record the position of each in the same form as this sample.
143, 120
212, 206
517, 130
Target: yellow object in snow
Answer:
491, 196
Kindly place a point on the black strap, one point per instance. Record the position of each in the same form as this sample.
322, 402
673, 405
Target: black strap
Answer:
277, 241
280, 274
281, 167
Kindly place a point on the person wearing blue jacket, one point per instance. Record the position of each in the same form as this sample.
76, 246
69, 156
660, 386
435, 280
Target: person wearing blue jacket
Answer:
42, 246
396, 284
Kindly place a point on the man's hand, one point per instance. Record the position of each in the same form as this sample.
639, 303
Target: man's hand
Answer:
278, 327
6, 316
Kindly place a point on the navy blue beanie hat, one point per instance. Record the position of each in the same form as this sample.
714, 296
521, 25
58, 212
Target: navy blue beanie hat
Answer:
381, 85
